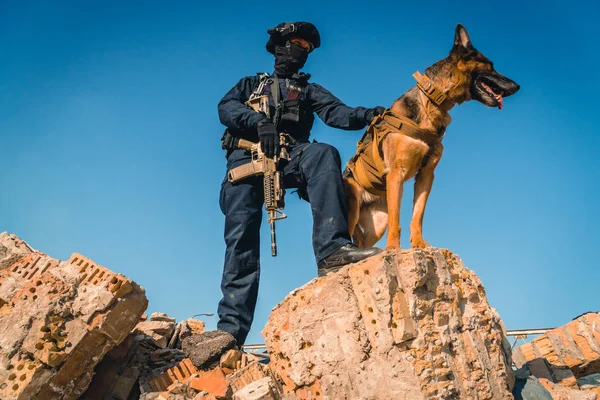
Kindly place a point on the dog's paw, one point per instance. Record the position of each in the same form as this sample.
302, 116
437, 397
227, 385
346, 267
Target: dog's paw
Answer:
419, 244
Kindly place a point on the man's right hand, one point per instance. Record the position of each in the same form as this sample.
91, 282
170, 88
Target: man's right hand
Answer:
268, 137
372, 113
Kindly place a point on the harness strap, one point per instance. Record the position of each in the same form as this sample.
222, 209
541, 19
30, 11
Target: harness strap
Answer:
369, 150
276, 92
407, 127
435, 94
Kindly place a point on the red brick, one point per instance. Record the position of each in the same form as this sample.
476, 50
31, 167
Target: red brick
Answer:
214, 382
545, 349
581, 342
180, 372
569, 353
94, 274
592, 320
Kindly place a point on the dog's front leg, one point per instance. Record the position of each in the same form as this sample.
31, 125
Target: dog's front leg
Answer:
394, 190
423, 184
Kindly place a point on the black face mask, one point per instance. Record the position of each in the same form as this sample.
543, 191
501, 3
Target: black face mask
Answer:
289, 59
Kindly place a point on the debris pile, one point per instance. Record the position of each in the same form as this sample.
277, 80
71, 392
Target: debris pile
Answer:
57, 320
205, 365
209, 366
160, 327
412, 324
565, 360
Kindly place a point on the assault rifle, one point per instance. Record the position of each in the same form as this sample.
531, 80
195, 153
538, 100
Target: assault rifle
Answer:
263, 165
272, 180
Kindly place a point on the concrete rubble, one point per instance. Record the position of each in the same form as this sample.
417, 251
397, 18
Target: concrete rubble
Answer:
160, 328
205, 349
184, 329
566, 360
400, 325
412, 324
57, 320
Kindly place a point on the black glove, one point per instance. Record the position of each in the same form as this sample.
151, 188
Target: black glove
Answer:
372, 112
268, 137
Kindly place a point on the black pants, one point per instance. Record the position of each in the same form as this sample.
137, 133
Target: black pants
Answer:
314, 168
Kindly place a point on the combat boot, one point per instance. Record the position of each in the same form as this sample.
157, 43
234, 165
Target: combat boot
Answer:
347, 254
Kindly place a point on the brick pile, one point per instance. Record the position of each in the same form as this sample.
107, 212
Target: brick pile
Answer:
234, 377
76, 330
58, 319
160, 328
411, 324
565, 357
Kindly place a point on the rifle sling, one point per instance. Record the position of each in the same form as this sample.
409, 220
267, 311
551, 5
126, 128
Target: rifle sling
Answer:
276, 92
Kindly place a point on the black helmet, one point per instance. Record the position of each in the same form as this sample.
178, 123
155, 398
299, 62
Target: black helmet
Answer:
282, 32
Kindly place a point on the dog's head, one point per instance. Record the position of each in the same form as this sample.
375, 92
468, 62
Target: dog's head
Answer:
469, 75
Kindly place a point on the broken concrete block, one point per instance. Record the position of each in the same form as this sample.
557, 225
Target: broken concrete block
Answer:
411, 324
559, 392
11, 249
575, 345
160, 331
205, 349
58, 320
528, 387
230, 358
160, 316
262, 389
185, 329
243, 377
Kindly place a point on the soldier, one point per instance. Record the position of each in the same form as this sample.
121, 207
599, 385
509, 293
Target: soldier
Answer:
314, 169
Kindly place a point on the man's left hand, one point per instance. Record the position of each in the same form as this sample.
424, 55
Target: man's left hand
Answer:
372, 113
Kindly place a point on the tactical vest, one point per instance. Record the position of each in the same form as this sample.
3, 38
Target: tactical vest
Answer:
294, 115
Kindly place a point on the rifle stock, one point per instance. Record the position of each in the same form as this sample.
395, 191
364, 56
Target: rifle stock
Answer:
247, 145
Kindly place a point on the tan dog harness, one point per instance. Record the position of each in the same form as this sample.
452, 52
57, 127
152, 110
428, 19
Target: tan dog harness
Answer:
367, 165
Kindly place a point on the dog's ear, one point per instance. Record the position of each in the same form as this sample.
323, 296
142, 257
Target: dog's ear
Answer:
461, 38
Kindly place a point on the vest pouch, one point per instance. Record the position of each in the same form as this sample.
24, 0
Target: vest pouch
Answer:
291, 111
297, 119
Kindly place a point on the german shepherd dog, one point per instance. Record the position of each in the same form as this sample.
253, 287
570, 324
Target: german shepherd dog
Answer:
464, 75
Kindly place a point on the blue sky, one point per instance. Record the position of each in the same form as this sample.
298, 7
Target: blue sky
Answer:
109, 138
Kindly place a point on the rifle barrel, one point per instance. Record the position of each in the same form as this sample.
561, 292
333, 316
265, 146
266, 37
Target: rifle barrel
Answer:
273, 240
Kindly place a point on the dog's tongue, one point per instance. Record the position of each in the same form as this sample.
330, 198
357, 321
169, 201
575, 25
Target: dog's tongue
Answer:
499, 100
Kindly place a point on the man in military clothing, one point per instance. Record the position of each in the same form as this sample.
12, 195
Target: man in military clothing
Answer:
313, 168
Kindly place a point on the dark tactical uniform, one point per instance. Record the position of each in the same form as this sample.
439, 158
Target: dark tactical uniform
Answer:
314, 168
